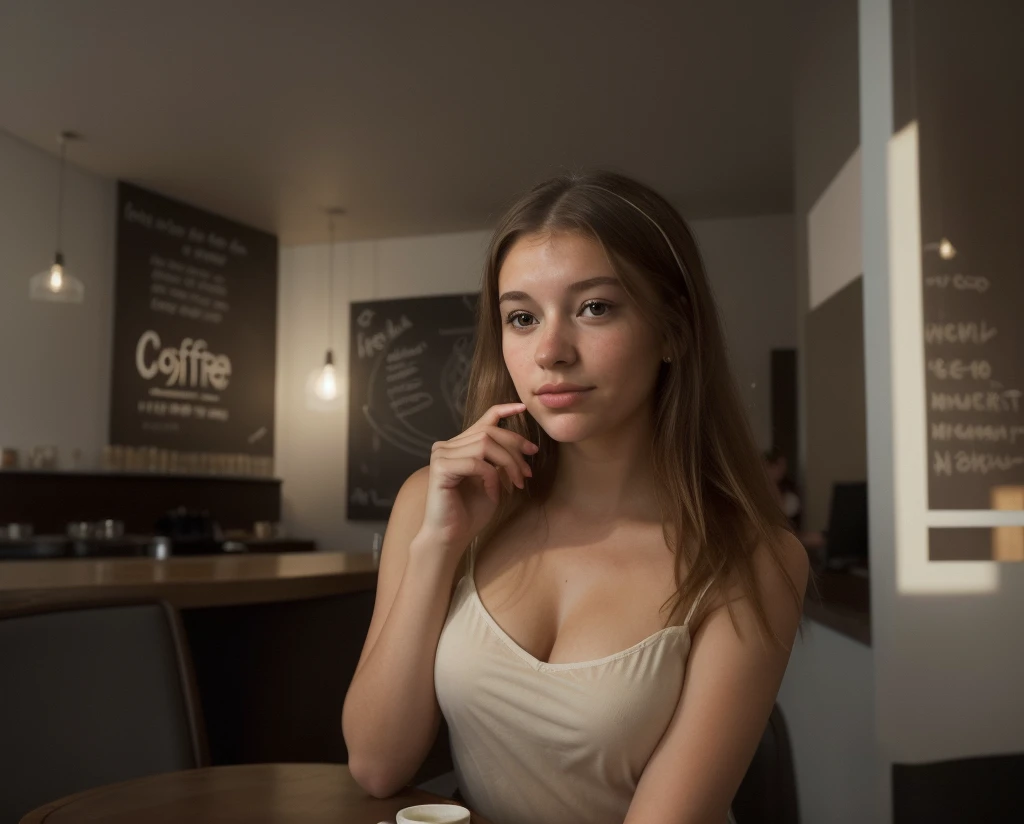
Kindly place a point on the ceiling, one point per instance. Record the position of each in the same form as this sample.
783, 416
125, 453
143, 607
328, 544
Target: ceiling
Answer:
417, 117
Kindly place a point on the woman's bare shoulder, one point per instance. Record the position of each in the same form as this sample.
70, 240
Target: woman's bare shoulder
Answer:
785, 559
780, 571
411, 501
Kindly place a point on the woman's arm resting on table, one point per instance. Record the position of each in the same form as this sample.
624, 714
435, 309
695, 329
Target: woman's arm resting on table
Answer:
730, 688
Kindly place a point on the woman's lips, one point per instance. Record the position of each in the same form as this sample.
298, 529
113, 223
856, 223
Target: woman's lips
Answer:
560, 400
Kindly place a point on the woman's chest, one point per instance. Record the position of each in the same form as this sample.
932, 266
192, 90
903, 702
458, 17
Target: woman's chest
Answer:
575, 594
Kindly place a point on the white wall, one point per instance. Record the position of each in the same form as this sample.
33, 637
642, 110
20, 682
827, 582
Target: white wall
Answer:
752, 266
56, 358
827, 699
750, 262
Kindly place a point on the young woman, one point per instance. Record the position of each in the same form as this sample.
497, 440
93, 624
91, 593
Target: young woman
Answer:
593, 583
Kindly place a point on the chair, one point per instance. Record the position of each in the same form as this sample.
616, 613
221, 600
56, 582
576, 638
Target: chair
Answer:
983, 790
767, 794
91, 695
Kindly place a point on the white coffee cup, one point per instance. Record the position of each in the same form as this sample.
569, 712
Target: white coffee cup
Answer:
433, 814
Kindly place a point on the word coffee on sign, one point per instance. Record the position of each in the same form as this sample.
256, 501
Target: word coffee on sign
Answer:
189, 364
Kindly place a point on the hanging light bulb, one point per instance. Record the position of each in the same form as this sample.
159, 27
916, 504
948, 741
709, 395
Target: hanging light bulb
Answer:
55, 284
322, 389
57, 275
326, 386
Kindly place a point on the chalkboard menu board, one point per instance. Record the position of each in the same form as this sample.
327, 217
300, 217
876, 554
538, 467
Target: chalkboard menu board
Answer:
971, 154
195, 320
409, 364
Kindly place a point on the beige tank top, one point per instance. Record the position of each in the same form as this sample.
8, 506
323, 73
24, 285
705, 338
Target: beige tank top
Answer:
539, 743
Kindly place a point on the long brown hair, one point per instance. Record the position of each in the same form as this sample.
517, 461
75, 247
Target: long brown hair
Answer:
715, 496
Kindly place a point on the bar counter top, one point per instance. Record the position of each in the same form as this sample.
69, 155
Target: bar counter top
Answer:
197, 581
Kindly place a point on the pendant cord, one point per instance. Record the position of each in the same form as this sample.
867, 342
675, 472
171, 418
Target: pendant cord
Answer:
348, 286
330, 284
375, 270
60, 189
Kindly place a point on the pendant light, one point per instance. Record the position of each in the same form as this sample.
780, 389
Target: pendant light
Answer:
934, 104
946, 250
56, 284
326, 384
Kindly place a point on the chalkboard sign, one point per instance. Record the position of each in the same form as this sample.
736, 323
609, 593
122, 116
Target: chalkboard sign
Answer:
409, 364
1001, 543
195, 320
972, 213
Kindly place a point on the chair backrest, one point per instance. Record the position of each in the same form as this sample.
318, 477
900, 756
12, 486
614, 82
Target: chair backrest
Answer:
983, 790
767, 794
91, 695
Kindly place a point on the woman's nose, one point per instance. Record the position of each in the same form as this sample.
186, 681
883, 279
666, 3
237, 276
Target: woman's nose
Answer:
555, 345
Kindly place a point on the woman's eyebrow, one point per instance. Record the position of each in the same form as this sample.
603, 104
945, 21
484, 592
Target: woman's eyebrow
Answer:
579, 286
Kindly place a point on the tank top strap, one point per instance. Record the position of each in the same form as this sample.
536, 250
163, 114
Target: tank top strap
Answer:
697, 600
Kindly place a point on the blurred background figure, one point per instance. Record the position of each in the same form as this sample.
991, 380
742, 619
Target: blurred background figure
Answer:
785, 486
788, 495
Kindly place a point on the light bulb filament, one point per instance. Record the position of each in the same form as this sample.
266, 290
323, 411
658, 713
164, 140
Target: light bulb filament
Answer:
56, 277
326, 387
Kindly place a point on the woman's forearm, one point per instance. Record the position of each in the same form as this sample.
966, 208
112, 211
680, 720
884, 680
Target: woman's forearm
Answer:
390, 717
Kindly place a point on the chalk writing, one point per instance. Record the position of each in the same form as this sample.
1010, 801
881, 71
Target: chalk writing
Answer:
961, 332
979, 463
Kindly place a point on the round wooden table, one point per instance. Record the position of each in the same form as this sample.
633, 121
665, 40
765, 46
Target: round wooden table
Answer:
251, 793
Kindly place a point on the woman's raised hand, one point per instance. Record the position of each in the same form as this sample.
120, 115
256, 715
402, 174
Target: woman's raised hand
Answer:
465, 480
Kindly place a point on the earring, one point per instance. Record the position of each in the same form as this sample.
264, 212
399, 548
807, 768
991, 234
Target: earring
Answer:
667, 359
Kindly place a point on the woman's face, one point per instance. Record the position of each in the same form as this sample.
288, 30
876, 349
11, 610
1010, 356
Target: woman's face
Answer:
566, 320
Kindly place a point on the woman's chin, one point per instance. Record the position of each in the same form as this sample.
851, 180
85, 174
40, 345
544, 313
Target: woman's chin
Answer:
565, 428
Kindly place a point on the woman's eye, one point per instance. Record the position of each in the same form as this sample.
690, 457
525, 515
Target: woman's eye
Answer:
521, 320
513, 317
601, 308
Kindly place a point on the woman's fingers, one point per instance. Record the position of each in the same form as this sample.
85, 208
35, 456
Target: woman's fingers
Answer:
458, 468
500, 410
494, 453
514, 443
484, 449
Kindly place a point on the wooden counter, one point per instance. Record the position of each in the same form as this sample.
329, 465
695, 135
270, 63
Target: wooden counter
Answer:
274, 638
207, 581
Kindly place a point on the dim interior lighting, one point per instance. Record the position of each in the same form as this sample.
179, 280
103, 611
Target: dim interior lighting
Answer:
56, 284
945, 248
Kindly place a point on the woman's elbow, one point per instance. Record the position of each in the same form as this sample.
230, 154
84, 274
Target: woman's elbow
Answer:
375, 779
369, 772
